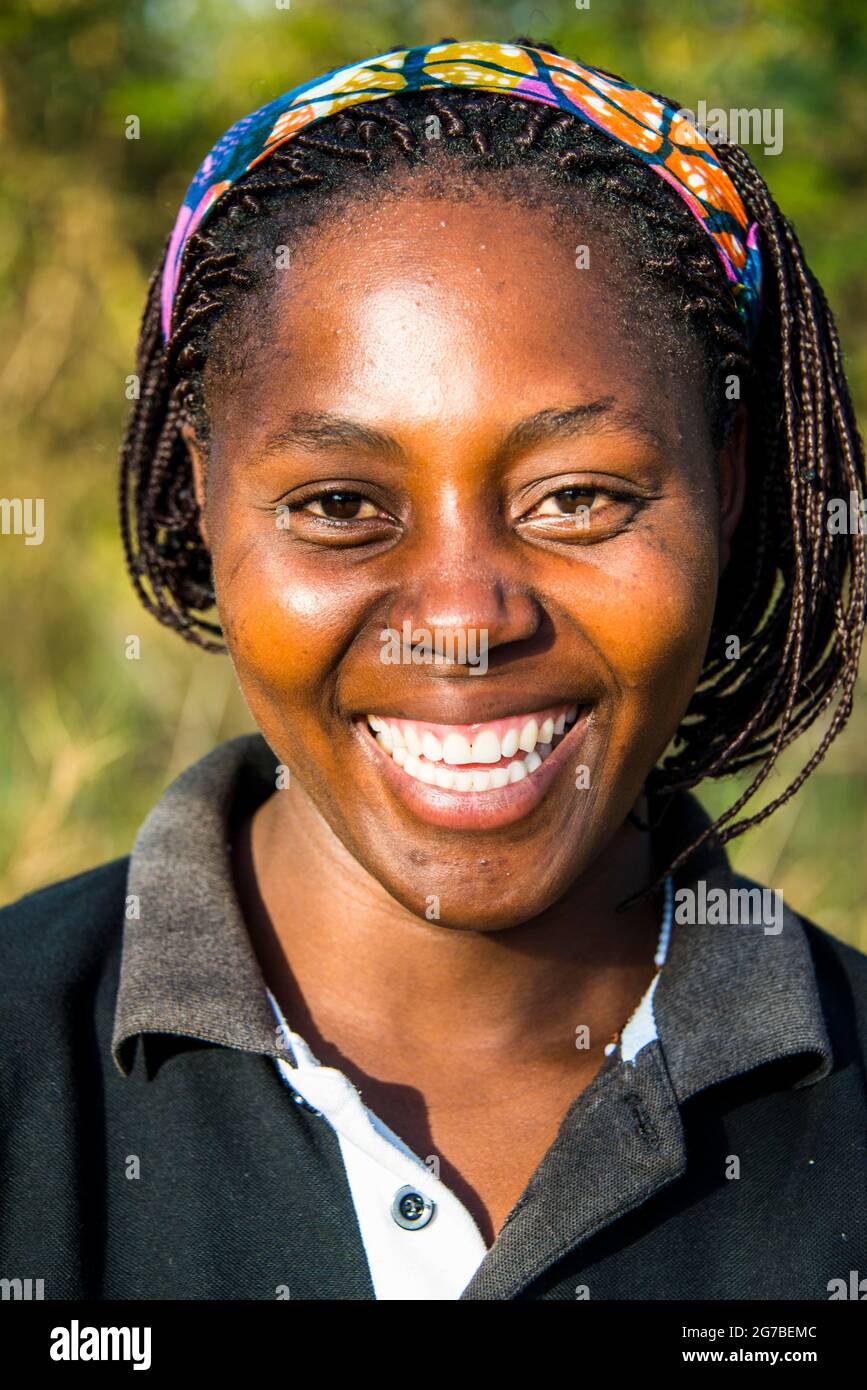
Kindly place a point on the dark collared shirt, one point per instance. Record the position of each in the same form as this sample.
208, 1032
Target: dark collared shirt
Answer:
151, 1150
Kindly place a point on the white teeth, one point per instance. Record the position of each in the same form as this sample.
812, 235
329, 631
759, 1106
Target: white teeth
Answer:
431, 747
486, 747
456, 750
509, 743
440, 762
475, 779
529, 734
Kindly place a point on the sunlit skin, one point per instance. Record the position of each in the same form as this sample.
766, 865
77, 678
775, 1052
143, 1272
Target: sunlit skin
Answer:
400, 353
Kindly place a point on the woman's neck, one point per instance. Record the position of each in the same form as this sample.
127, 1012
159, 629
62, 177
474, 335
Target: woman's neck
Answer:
360, 975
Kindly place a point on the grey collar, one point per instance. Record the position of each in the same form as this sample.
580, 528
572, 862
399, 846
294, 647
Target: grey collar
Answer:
187, 965
729, 999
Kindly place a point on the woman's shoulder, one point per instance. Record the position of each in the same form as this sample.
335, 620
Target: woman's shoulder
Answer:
840, 972
62, 933
841, 969
60, 951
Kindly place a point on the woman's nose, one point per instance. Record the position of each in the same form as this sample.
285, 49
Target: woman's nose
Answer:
466, 601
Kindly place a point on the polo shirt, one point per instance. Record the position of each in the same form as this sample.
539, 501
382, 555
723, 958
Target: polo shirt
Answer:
152, 1150
403, 1267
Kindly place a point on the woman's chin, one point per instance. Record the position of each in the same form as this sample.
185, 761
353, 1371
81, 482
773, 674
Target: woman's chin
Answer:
471, 902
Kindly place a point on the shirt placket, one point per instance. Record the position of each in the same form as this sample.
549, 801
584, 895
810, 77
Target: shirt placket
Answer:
620, 1143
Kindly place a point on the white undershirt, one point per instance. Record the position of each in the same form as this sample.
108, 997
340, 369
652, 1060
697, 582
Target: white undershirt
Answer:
435, 1261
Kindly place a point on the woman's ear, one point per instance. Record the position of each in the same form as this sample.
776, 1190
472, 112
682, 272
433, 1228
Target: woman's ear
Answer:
199, 462
732, 483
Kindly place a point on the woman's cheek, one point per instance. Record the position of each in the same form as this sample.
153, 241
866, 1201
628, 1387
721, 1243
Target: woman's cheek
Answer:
280, 608
657, 647
647, 613
670, 613
283, 616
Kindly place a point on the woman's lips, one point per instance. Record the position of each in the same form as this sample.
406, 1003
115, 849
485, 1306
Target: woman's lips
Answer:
479, 776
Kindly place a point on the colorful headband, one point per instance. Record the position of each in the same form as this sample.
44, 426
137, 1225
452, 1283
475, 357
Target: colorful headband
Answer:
671, 145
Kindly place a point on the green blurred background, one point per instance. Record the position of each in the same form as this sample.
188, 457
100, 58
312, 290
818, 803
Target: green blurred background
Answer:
91, 738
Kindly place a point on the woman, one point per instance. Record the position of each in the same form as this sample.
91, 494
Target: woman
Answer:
497, 413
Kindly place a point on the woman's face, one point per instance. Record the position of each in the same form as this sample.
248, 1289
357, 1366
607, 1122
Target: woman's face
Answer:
453, 432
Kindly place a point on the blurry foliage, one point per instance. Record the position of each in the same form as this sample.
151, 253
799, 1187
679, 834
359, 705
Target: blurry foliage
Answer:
91, 738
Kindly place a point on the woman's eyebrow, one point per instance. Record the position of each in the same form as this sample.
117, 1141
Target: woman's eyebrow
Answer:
587, 417
313, 430
321, 430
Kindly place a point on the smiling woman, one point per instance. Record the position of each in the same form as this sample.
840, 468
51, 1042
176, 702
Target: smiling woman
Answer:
499, 349
457, 429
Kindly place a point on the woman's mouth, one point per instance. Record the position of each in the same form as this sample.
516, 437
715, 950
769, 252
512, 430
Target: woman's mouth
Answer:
473, 757
474, 776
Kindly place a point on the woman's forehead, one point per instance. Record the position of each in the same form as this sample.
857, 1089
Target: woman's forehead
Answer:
440, 308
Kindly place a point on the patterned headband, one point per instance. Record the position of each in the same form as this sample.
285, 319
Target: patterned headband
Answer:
658, 134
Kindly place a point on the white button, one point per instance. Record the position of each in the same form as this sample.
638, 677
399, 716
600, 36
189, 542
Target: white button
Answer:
411, 1209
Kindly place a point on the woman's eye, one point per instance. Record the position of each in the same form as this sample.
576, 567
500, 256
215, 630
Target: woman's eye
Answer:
569, 501
341, 506
582, 513
336, 516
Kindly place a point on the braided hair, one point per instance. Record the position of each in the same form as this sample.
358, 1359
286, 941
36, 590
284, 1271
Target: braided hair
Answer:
795, 594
